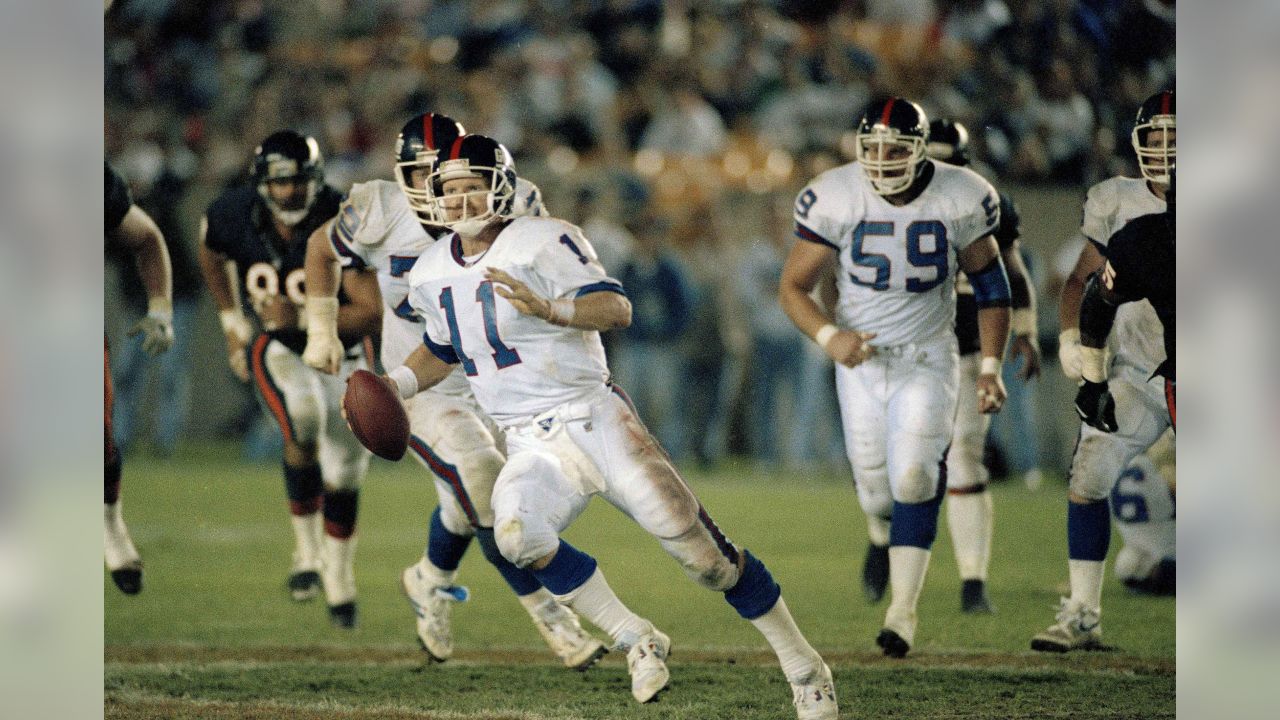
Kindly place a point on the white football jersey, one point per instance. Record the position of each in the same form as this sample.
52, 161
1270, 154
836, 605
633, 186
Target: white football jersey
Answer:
375, 227
1137, 338
897, 264
519, 366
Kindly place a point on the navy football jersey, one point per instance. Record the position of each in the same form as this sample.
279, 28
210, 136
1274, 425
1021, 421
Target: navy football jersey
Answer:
118, 199
240, 227
1141, 266
966, 305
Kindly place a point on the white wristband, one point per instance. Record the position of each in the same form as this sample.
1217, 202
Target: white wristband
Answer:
1093, 363
322, 314
824, 335
562, 312
406, 381
990, 366
1022, 322
160, 308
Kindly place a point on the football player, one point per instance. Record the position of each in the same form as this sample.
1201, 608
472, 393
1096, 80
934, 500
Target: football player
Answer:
519, 304
970, 513
129, 225
384, 226
253, 243
899, 226
1139, 393
1144, 505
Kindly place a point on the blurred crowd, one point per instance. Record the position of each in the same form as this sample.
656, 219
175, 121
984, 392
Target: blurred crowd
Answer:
675, 132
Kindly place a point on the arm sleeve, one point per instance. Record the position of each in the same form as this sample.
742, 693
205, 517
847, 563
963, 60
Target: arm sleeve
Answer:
569, 268
528, 200
118, 199
815, 218
1097, 311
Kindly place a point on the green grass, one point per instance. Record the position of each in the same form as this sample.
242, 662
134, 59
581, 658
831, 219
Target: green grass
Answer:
214, 635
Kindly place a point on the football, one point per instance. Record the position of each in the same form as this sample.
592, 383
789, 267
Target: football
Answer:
376, 415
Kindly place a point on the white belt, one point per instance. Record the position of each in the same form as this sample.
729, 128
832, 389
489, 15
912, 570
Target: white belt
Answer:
551, 429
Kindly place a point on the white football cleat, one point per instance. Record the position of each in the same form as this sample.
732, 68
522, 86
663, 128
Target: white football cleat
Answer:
647, 663
433, 604
122, 557
815, 699
1077, 628
304, 579
559, 626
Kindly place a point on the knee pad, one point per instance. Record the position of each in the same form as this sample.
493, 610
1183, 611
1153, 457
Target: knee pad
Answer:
965, 470
917, 484
755, 593
520, 580
703, 559
452, 516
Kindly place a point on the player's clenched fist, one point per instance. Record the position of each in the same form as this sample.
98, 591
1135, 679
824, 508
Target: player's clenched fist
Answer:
849, 347
991, 393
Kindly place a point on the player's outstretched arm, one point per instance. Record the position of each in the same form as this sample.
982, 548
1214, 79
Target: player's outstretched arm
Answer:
981, 262
806, 265
594, 311
1022, 316
1089, 262
323, 272
219, 276
139, 233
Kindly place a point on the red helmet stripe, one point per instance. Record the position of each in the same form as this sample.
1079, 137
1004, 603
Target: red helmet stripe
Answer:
457, 148
429, 131
888, 109
1166, 99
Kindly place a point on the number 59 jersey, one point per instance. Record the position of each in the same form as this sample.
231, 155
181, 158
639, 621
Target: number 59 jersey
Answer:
897, 263
519, 366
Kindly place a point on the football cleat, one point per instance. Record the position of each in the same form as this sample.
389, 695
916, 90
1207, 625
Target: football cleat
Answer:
875, 572
433, 606
575, 647
898, 633
121, 556
974, 600
303, 585
1077, 628
343, 615
815, 699
647, 663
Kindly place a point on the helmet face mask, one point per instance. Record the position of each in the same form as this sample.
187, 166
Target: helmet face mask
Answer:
1154, 138
420, 142
472, 185
285, 162
891, 142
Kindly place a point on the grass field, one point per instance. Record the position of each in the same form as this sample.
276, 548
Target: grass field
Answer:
213, 634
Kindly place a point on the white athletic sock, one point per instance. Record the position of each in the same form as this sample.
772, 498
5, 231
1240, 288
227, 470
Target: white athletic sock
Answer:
307, 531
595, 601
907, 568
798, 658
338, 569
535, 601
971, 518
1086, 582
118, 545
878, 530
434, 576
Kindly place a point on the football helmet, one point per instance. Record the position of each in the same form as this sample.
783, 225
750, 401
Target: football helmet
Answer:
285, 155
1154, 137
948, 142
472, 156
891, 142
417, 146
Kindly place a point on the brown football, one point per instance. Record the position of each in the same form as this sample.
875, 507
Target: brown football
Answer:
376, 415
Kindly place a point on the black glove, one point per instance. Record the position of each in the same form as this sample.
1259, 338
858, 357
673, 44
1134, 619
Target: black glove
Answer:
1096, 407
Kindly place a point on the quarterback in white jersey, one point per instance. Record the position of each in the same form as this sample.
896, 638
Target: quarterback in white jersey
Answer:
899, 226
519, 304
1140, 404
380, 227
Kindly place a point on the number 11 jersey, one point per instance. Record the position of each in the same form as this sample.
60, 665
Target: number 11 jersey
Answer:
897, 263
